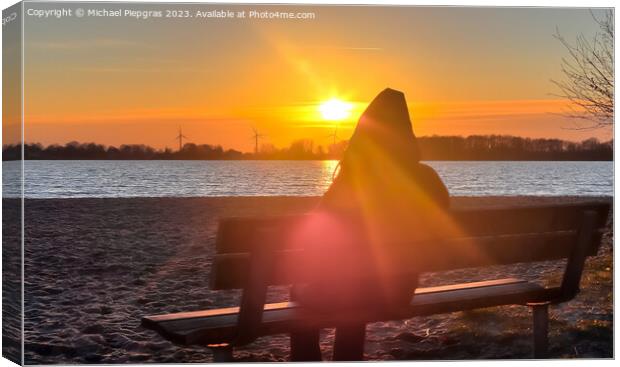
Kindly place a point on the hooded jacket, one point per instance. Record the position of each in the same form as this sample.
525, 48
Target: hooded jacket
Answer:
383, 198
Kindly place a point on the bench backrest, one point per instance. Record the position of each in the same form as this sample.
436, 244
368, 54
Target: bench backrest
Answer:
486, 237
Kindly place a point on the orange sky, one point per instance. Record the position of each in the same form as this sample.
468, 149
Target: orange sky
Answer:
464, 72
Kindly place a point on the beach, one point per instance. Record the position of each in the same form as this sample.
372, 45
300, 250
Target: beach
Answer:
94, 267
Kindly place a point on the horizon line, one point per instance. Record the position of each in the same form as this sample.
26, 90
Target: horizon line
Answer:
314, 139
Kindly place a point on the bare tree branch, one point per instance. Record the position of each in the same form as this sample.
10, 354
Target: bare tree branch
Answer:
588, 75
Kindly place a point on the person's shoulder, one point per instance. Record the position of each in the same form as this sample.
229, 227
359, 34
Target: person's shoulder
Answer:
429, 178
424, 168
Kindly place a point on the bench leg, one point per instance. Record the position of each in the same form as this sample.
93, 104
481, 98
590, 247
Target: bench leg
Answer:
349, 343
305, 346
541, 330
222, 352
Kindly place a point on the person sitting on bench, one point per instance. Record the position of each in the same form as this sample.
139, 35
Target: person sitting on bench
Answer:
382, 183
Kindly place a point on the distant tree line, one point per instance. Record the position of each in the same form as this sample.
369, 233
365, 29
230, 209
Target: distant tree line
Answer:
476, 147
509, 148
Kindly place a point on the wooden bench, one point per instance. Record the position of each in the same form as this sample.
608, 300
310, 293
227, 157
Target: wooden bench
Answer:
254, 253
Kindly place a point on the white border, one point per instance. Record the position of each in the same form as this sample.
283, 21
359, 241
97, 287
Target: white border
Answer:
490, 3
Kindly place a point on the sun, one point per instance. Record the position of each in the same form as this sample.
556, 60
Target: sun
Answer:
335, 109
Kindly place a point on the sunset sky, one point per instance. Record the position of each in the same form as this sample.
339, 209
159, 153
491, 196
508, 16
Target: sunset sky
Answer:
464, 71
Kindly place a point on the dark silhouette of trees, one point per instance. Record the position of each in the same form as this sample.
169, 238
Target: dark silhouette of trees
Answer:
301, 149
476, 147
12, 152
508, 148
588, 70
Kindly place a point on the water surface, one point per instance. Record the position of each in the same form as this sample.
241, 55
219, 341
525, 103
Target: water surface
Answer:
76, 179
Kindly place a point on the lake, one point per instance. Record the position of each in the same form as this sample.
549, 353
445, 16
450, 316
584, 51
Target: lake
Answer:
79, 179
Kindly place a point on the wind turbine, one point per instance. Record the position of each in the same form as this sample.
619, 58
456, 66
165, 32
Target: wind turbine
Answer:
256, 136
180, 138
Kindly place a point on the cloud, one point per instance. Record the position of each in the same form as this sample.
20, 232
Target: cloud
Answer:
349, 48
80, 44
488, 110
362, 48
146, 114
133, 70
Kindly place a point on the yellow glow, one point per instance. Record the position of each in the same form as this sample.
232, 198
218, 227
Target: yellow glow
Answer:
335, 109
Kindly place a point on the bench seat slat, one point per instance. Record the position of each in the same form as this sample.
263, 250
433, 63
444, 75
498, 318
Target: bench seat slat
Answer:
215, 326
471, 285
206, 313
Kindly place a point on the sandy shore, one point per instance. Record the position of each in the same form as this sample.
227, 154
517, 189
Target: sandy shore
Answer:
94, 267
